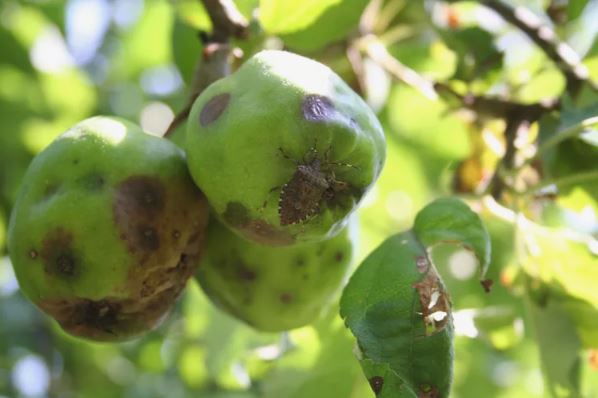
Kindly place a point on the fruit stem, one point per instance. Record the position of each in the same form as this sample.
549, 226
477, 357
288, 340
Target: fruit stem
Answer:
213, 63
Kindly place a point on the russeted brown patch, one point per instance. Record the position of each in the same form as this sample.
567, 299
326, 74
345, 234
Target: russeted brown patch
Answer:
138, 207
258, 230
58, 255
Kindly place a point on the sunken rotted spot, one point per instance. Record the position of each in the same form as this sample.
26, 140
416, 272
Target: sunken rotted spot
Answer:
213, 109
141, 195
376, 382
102, 315
109, 319
317, 108
300, 261
147, 238
262, 232
244, 273
286, 298
58, 254
93, 182
138, 205
151, 289
50, 190
236, 214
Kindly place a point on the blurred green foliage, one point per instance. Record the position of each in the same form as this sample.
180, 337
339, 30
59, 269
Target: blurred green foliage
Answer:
64, 60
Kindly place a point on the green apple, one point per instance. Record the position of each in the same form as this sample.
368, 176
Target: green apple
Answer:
107, 229
273, 288
283, 149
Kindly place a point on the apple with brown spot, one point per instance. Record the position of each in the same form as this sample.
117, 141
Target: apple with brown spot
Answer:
273, 288
107, 229
283, 149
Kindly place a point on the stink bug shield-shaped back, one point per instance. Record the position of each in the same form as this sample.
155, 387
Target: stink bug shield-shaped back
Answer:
312, 184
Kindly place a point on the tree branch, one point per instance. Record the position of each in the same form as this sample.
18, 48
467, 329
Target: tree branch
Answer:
226, 20
213, 63
379, 54
483, 106
497, 107
514, 123
565, 58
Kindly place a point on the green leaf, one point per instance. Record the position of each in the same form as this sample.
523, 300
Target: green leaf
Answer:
449, 220
559, 348
2, 231
396, 306
279, 17
13, 52
333, 24
575, 8
385, 382
146, 44
561, 268
477, 53
320, 364
567, 145
186, 49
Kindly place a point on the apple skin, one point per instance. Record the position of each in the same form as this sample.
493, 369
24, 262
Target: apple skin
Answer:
107, 229
273, 288
283, 149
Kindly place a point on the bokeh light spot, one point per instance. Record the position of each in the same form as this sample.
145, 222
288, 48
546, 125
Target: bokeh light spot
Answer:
31, 376
156, 117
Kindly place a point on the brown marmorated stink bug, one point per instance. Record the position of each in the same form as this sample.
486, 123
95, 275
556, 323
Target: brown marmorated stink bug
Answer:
312, 184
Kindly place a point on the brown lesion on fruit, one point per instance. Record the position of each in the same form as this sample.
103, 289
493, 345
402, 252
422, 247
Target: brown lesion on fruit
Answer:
286, 298
214, 108
59, 256
109, 319
149, 290
244, 273
434, 301
163, 226
317, 108
300, 261
147, 238
142, 196
138, 208
50, 190
258, 230
93, 182
376, 383
262, 232
339, 256
236, 214
240, 277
